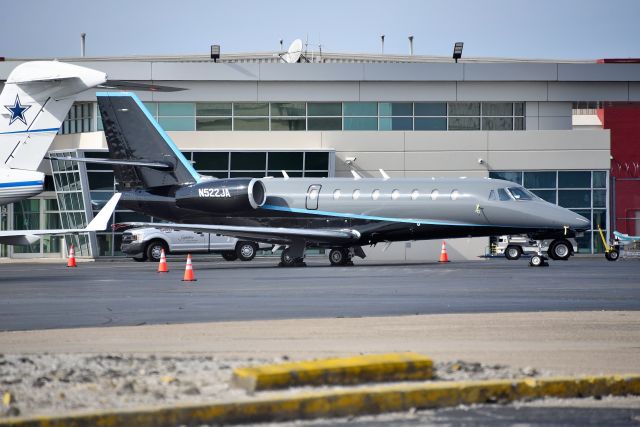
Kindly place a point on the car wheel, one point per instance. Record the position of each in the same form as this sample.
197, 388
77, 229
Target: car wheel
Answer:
229, 255
246, 251
560, 250
154, 249
613, 255
513, 252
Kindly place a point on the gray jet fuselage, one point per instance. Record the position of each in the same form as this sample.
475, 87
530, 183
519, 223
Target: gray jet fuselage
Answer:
378, 209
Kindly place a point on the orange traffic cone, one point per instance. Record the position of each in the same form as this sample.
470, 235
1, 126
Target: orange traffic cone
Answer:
72, 258
162, 266
188, 271
443, 253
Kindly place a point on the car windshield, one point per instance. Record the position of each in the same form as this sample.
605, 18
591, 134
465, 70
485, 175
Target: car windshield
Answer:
520, 193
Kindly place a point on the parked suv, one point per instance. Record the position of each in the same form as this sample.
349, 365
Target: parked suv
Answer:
144, 244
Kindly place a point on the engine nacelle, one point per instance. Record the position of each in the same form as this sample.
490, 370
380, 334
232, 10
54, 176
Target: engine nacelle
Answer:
223, 195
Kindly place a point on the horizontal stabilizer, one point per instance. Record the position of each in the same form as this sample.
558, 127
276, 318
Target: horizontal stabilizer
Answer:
147, 87
154, 165
26, 237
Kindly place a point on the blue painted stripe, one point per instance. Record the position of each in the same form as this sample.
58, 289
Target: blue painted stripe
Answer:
31, 131
168, 140
374, 218
20, 184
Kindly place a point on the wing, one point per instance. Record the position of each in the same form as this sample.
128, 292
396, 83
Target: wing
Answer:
27, 237
276, 235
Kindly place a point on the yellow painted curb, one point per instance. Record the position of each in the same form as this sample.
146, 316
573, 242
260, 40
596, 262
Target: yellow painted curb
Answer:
357, 401
340, 371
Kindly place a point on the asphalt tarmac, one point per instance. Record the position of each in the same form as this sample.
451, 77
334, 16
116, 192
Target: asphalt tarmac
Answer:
47, 296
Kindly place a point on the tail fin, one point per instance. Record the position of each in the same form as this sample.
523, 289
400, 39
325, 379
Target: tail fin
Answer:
34, 101
133, 134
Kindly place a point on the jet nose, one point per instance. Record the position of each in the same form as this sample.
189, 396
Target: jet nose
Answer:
578, 222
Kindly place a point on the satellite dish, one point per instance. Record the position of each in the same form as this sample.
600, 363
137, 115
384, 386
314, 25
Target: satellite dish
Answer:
294, 52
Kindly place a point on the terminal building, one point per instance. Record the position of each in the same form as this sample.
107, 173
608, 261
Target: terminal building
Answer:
568, 131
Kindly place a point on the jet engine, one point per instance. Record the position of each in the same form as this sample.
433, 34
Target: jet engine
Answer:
223, 195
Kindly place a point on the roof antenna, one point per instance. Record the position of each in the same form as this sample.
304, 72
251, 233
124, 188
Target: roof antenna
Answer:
285, 174
384, 174
355, 174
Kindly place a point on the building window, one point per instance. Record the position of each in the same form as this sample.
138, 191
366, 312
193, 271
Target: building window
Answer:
79, 118
360, 115
327, 116
214, 116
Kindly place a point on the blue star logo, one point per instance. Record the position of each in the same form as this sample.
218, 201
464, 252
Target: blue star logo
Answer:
17, 111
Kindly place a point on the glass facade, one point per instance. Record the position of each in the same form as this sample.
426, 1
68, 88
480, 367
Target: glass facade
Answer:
84, 187
79, 118
338, 116
69, 186
584, 192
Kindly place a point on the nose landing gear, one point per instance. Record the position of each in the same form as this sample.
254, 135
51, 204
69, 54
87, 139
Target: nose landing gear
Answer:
538, 260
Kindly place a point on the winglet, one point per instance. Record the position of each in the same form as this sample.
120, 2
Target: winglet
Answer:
100, 221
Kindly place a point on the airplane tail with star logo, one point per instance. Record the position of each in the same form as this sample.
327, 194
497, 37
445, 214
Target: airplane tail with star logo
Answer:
33, 105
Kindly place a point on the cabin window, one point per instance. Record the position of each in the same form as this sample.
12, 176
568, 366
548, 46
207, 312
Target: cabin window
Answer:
455, 194
356, 194
415, 194
375, 195
519, 193
336, 194
434, 194
395, 194
503, 195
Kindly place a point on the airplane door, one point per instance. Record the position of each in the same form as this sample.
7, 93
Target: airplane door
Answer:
313, 194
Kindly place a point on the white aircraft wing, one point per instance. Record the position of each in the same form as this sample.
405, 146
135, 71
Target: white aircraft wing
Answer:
26, 237
277, 235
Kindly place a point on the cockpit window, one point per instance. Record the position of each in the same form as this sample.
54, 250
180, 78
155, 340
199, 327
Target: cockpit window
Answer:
492, 195
519, 193
503, 195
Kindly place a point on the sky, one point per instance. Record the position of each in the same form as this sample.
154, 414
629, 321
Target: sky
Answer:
553, 29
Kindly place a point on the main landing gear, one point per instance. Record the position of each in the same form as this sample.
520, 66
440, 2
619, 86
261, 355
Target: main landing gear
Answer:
293, 256
340, 256
288, 260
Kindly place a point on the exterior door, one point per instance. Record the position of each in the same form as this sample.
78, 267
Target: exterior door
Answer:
313, 194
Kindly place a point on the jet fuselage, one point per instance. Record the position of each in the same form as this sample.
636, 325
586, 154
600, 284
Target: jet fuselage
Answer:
378, 209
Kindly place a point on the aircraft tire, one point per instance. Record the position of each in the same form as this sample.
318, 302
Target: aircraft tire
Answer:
513, 252
229, 255
339, 256
286, 260
536, 261
560, 249
246, 251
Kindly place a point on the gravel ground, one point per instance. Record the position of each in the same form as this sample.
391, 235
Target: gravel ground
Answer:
56, 383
